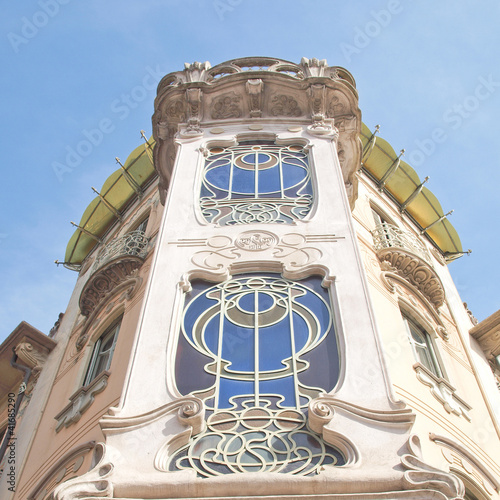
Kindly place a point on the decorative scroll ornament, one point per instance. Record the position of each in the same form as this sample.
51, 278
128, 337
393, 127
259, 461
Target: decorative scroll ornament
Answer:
256, 439
95, 484
249, 184
444, 392
80, 401
421, 476
291, 249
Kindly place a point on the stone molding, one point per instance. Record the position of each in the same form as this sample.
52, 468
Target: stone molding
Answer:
487, 333
420, 475
70, 463
443, 391
258, 89
80, 401
415, 270
464, 453
123, 470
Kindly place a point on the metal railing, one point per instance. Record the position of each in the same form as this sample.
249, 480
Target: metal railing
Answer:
386, 236
134, 243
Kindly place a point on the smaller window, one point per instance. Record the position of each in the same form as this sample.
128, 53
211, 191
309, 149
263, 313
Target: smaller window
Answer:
422, 347
143, 225
103, 352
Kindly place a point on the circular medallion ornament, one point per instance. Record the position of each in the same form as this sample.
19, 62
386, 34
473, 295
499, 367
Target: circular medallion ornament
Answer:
256, 241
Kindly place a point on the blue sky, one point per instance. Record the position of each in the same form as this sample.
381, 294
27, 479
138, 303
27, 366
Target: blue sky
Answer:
71, 67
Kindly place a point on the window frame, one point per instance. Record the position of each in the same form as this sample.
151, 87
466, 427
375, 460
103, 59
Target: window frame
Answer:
434, 363
91, 372
220, 220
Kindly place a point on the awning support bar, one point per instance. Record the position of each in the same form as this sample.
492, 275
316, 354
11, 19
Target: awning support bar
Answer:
436, 221
149, 149
108, 205
129, 178
449, 256
412, 196
391, 170
88, 233
370, 144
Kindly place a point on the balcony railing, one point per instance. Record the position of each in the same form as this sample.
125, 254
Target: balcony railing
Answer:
134, 244
386, 236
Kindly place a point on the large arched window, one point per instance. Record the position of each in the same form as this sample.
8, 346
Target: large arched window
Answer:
256, 182
257, 349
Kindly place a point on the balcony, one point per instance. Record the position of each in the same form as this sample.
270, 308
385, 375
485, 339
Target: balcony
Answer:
406, 256
115, 268
134, 244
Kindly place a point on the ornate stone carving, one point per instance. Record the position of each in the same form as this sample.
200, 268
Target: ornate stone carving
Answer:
80, 401
255, 90
117, 273
177, 110
444, 392
316, 95
31, 356
284, 105
473, 319
226, 106
315, 67
336, 107
197, 71
255, 241
194, 97
55, 328
421, 476
416, 271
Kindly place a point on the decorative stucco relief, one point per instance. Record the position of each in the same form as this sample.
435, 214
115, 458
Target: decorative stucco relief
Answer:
309, 92
121, 273
465, 461
419, 475
416, 271
255, 88
80, 401
226, 106
443, 391
77, 461
291, 249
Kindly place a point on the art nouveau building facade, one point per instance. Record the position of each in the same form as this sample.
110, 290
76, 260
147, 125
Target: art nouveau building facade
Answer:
265, 314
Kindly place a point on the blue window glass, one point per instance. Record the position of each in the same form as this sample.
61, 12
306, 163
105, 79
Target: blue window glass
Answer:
257, 349
256, 183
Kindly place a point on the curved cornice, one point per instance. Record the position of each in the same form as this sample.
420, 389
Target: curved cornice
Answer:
256, 89
110, 277
416, 271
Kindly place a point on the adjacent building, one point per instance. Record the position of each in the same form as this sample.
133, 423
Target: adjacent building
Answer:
263, 310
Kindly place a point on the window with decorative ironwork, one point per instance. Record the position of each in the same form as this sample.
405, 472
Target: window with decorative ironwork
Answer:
422, 346
257, 349
256, 183
103, 352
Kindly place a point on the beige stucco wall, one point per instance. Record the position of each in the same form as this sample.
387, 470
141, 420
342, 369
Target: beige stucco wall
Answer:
460, 357
69, 364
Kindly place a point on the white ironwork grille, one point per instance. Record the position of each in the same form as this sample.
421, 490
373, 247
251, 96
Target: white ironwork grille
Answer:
134, 243
249, 348
386, 235
256, 183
